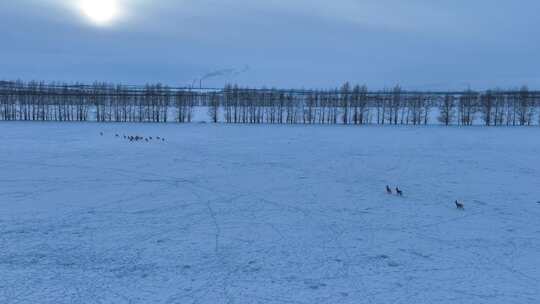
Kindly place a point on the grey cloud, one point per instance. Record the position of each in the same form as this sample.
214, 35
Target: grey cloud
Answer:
315, 43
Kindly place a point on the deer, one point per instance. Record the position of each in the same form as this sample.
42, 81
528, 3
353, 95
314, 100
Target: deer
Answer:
388, 190
459, 205
399, 192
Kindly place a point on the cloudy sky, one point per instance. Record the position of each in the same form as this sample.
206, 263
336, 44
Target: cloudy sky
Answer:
420, 44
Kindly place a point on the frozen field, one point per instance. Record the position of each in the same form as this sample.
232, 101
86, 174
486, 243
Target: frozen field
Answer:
268, 214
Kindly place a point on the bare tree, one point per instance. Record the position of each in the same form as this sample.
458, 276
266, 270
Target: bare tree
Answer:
486, 107
446, 110
213, 109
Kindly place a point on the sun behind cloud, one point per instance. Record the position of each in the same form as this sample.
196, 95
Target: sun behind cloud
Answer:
100, 12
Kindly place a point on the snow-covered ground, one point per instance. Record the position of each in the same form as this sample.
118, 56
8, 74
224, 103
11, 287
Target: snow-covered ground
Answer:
268, 214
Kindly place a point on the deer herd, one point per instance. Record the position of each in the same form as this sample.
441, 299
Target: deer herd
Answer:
399, 192
137, 138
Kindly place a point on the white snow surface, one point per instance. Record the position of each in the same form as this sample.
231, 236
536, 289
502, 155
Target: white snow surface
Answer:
268, 214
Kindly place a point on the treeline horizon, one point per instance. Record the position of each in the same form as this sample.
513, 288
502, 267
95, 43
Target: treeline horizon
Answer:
348, 104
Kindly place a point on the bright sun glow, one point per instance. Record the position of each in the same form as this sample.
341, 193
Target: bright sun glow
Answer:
100, 12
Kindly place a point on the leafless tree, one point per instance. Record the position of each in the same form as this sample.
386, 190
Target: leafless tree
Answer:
446, 110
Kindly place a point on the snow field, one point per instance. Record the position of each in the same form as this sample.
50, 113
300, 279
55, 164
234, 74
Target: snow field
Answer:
268, 214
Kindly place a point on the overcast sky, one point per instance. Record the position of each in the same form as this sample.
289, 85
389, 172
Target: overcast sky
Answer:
420, 44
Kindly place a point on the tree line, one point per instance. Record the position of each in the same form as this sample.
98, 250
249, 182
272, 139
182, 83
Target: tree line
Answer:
349, 104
